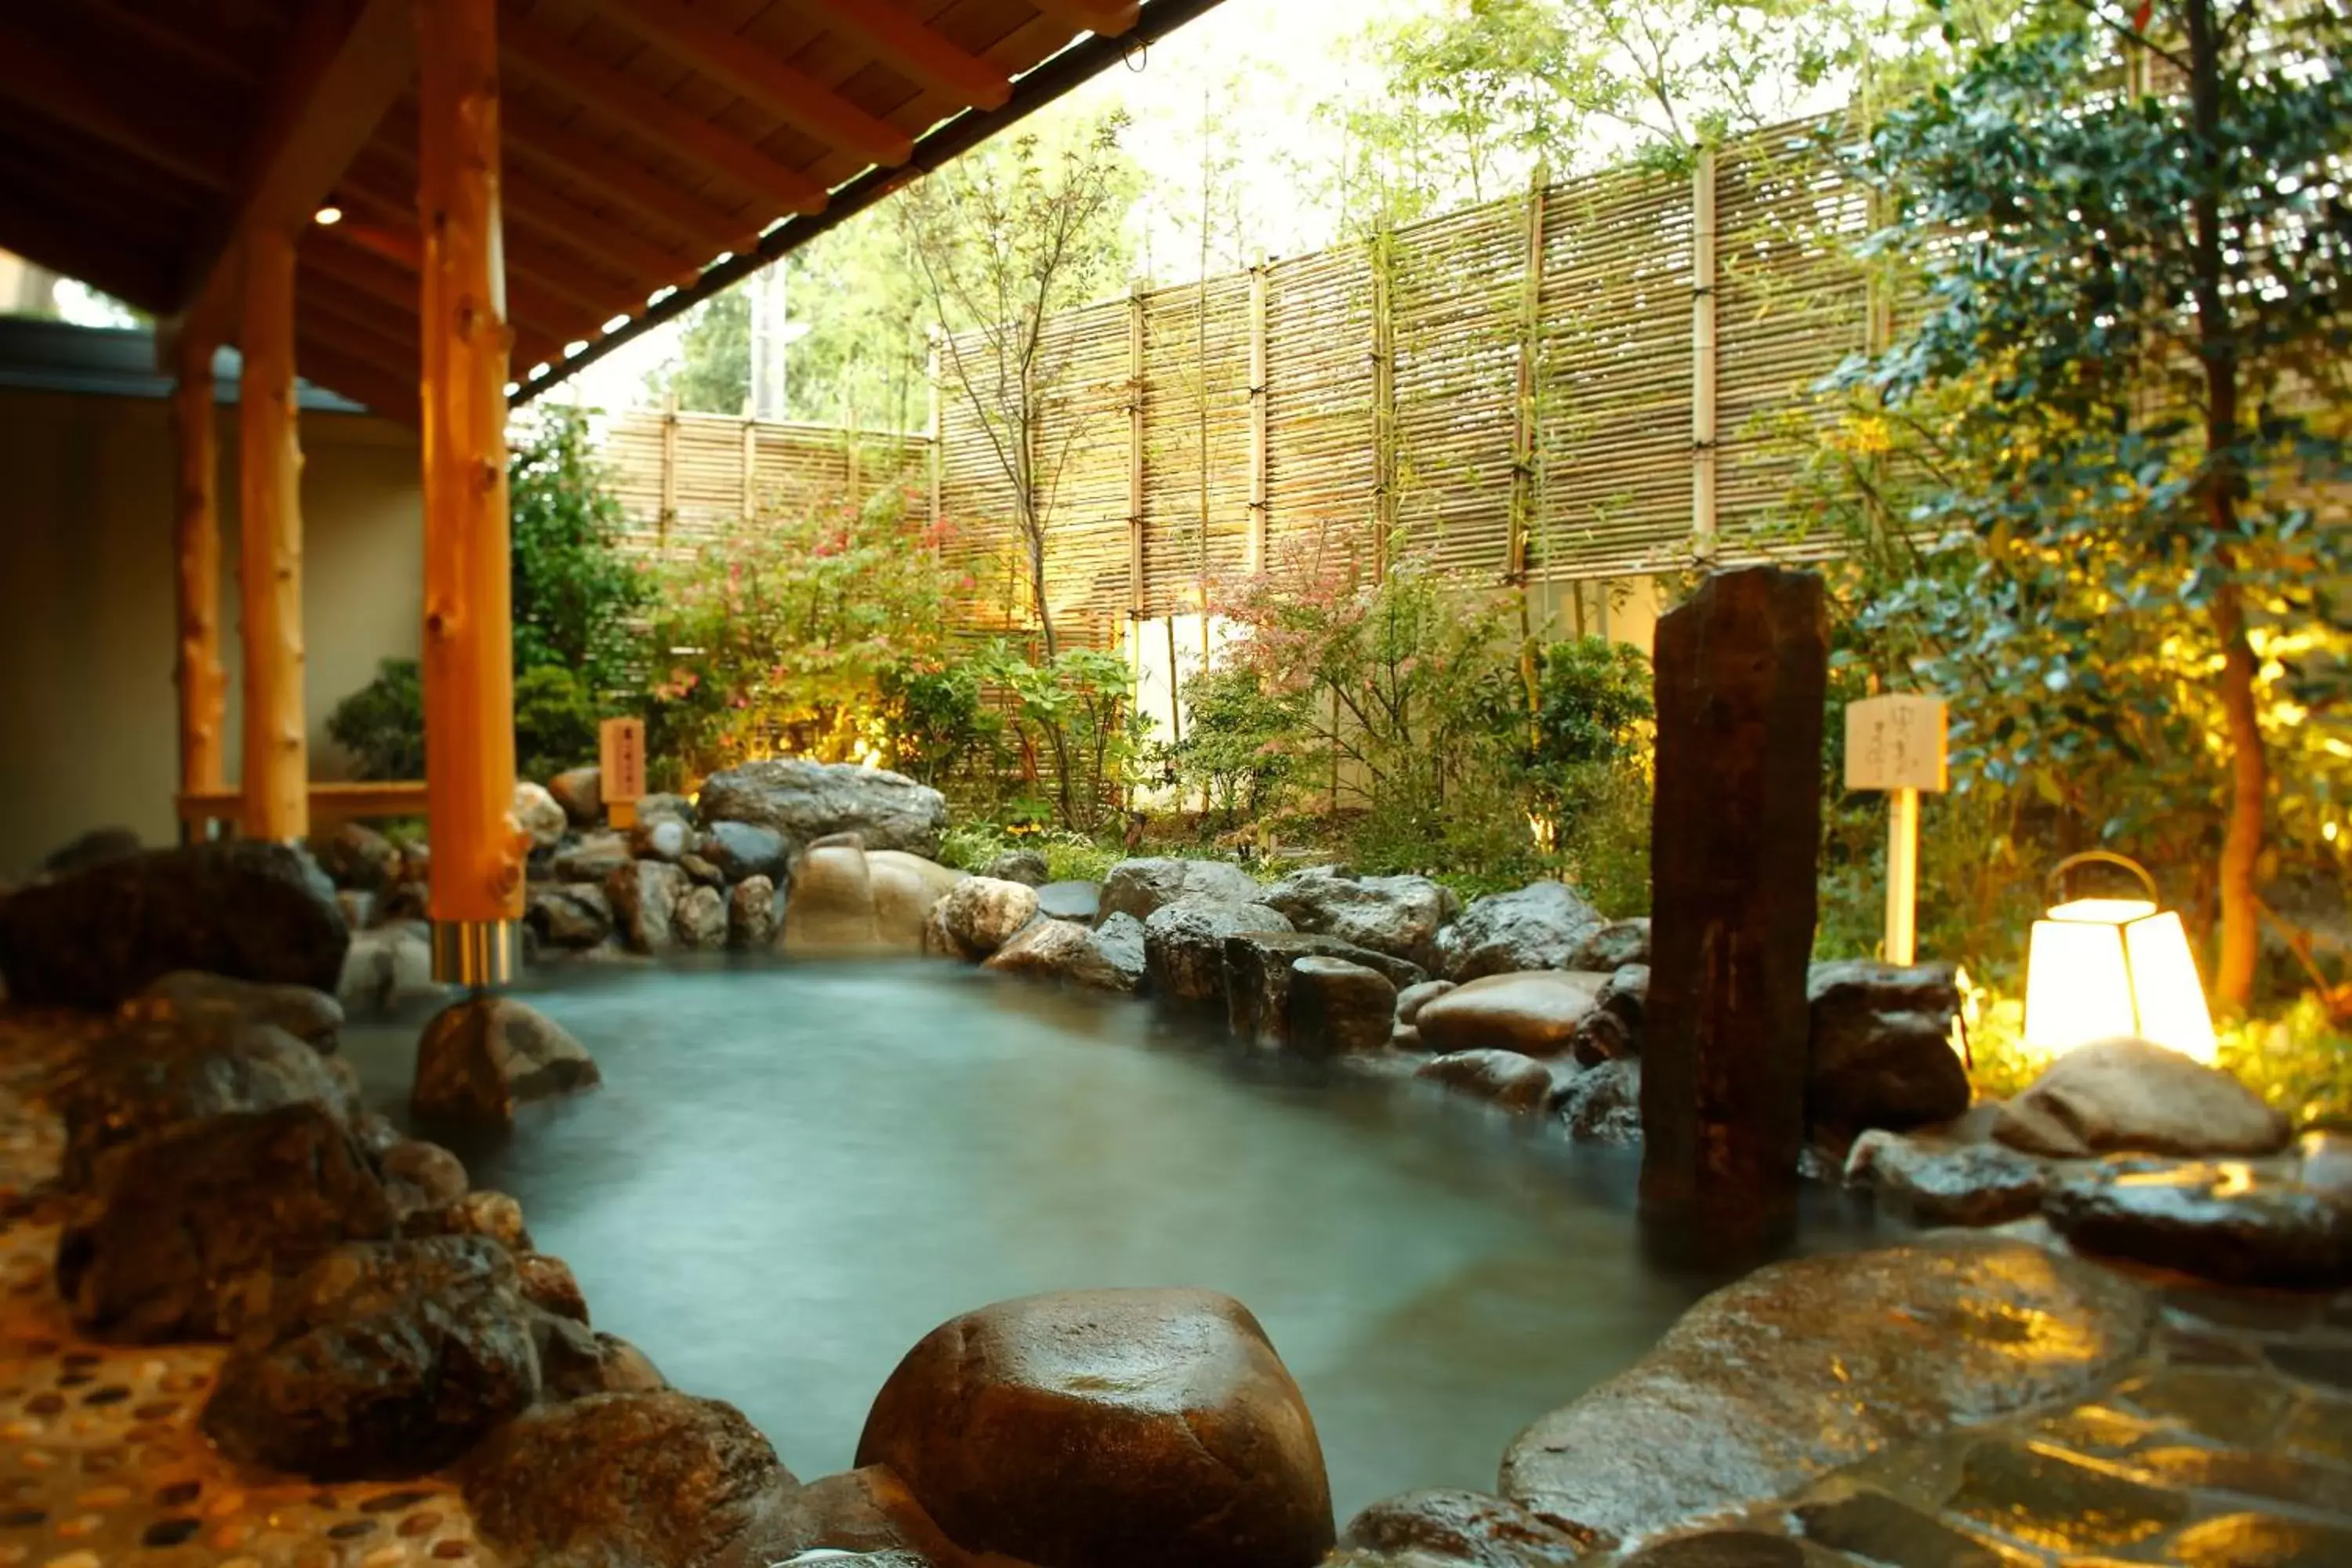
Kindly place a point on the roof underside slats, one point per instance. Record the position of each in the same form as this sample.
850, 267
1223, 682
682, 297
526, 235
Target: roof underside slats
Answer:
643, 140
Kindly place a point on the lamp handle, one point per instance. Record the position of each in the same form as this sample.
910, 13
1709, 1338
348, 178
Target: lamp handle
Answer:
2055, 883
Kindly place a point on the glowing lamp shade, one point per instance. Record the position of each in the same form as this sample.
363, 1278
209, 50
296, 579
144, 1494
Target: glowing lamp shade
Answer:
2097, 968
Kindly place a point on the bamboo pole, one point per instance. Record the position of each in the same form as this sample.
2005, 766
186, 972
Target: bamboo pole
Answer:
202, 686
1523, 445
1384, 432
276, 751
1257, 392
938, 460
1135, 473
475, 892
669, 461
749, 506
1704, 357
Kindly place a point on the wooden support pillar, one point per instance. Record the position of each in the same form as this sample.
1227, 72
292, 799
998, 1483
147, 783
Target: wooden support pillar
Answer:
1742, 672
1257, 396
276, 778
196, 533
477, 887
1703, 357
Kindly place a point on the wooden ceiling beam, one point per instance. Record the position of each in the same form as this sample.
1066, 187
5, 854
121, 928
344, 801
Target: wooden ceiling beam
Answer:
534, 139
388, 393
545, 55
915, 50
1111, 18
746, 68
542, 326
346, 65
52, 84
67, 240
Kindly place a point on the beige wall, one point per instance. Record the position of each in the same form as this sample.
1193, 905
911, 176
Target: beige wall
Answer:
89, 725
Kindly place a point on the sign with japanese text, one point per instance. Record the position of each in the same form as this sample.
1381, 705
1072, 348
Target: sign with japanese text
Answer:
1896, 742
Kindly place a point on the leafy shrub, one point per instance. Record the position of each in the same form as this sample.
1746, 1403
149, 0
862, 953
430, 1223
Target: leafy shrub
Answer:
939, 720
576, 598
1069, 856
556, 723
382, 724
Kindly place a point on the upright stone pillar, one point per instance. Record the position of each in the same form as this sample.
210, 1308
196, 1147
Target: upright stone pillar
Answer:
1742, 675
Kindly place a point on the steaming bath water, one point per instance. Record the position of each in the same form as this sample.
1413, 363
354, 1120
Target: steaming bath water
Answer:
792, 1172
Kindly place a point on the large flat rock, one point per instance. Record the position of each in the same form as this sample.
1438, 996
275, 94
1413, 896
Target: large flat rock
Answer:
806, 801
1809, 1366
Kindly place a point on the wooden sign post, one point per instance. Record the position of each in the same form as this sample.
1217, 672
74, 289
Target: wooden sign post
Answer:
621, 758
1896, 744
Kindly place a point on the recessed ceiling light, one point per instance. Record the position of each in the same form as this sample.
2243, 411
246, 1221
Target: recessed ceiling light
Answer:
325, 216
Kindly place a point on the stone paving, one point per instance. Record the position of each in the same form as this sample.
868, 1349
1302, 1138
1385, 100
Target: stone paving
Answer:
2228, 1446
101, 1459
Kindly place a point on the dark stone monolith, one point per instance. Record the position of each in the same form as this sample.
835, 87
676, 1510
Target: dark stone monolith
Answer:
1742, 674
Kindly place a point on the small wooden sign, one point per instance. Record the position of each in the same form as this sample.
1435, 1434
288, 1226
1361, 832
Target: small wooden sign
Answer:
621, 757
1896, 742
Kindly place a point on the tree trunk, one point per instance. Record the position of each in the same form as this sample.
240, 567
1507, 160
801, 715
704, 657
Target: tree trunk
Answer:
2217, 352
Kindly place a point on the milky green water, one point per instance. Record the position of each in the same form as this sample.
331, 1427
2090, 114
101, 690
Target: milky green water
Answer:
792, 1172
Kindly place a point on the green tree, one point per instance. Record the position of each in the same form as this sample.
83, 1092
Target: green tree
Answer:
576, 597
712, 371
2126, 392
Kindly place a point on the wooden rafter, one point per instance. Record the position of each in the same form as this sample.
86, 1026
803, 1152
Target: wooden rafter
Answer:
387, 228
915, 50
389, 392
346, 66
1109, 17
744, 66
537, 141
53, 84
545, 55
547, 325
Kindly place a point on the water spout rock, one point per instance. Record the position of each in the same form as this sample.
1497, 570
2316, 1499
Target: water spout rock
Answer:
481, 1057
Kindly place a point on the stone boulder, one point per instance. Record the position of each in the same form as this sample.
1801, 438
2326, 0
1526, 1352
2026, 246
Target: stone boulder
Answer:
419, 1174
861, 1512
387, 966
1258, 976
96, 848
1411, 999
1612, 947
1108, 1429
666, 838
570, 915
1807, 1366
1536, 1013
185, 1220
1518, 1084
593, 859
742, 849
143, 1078
1080, 901
481, 1057
1072, 954
242, 908
645, 896
196, 1000
2211, 1220
356, 856
665, 807
1143, 888
806, 801
1602, 1104
1935, 1182
754, 914
700, 921
2133, 1094
830, 907
1460, 1530
1400, 916
380, 1362
482, 1211
1537, 927
576, 1361
581, 793
977, 916
906, 889
1882, 1047
1184, 944
1025, 867
655, 1479
539, 813
1337, 1008
1614, 1027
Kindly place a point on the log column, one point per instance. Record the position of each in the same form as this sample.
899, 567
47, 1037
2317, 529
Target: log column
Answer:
204, 688
476, 883
277, 754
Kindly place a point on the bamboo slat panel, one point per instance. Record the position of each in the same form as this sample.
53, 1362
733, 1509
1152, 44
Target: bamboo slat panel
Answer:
685, 480
1195, 442
1320, 404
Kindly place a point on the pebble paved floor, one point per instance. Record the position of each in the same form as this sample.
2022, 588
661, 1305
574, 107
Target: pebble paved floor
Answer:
100, 1460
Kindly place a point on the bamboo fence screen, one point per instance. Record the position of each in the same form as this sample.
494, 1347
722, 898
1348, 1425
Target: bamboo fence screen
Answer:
1601, 378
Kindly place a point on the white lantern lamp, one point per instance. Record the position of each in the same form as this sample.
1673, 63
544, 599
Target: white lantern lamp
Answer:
2100, 967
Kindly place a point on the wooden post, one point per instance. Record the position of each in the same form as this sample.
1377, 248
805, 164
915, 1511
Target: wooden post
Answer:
1384, 434
669, 456
276, 752
203, 685
1135, 582
1703, 357
1257, 396
477, 887
751, 503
